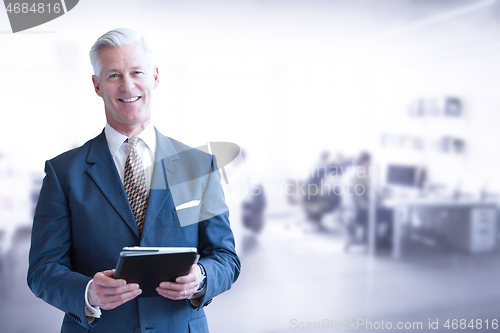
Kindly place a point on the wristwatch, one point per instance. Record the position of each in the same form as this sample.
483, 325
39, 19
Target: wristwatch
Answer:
203, 277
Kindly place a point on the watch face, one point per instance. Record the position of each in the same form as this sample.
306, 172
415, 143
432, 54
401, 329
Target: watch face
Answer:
202, 284
202, 270
204, 277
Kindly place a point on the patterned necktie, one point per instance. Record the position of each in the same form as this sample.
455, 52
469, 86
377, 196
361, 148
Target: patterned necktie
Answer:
135, 183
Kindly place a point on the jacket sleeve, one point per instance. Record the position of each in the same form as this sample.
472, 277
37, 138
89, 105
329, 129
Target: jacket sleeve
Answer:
216, 240
50, 274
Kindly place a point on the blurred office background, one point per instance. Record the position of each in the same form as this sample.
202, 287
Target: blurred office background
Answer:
397, 99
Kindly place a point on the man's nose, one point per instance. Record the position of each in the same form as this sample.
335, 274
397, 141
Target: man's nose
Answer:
127, 83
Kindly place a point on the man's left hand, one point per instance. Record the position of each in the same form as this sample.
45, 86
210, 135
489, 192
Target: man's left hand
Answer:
183, 287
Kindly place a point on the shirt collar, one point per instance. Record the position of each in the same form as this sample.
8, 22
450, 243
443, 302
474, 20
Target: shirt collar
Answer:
115, 139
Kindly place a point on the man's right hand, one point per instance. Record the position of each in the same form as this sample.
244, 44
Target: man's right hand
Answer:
108, 293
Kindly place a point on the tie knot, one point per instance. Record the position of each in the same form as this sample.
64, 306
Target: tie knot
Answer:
132, 142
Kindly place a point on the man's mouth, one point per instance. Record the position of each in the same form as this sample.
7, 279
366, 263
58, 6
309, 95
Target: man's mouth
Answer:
129, 100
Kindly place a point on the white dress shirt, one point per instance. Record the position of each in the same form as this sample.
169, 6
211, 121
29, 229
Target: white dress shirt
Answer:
146, 148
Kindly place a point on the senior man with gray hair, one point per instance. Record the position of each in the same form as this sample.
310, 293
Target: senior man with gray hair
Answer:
129, 186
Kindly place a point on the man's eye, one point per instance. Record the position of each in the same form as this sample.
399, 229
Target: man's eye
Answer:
113, 75
137, 72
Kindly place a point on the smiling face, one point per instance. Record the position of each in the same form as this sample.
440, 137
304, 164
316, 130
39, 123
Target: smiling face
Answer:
126, 85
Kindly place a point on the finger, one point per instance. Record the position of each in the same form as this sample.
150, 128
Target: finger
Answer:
194, 272
176, 295
102, 280
191, 277
112, 302
109, 273
178, 286
104, 291
174, 292
166, 293
121, 298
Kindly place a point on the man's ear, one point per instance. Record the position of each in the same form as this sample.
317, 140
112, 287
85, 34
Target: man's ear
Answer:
97, 86
156, 76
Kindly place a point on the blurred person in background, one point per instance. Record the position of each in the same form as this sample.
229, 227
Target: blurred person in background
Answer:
253, 209
333, 179
253, 216
320, 197
358, 187
129, 186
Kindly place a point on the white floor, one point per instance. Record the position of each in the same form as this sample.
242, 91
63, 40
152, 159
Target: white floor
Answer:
293, 275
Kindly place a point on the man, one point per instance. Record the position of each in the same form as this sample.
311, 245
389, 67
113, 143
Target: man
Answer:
129, 186
359, 188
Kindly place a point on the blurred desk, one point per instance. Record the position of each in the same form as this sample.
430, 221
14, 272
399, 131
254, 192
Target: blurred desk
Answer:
468, 226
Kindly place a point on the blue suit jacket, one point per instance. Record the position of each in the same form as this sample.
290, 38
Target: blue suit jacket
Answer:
83, 220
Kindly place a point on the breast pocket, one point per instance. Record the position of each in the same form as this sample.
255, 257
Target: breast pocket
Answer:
188, 216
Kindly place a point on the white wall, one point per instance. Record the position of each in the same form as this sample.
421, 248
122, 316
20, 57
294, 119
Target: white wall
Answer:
284, 80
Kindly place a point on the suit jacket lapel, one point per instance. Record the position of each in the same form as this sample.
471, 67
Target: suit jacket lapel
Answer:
166, 170
104, 173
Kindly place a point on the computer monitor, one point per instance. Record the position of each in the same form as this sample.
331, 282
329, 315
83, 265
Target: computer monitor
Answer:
403, 175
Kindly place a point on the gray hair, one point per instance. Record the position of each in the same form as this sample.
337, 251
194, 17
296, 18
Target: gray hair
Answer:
118, 38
